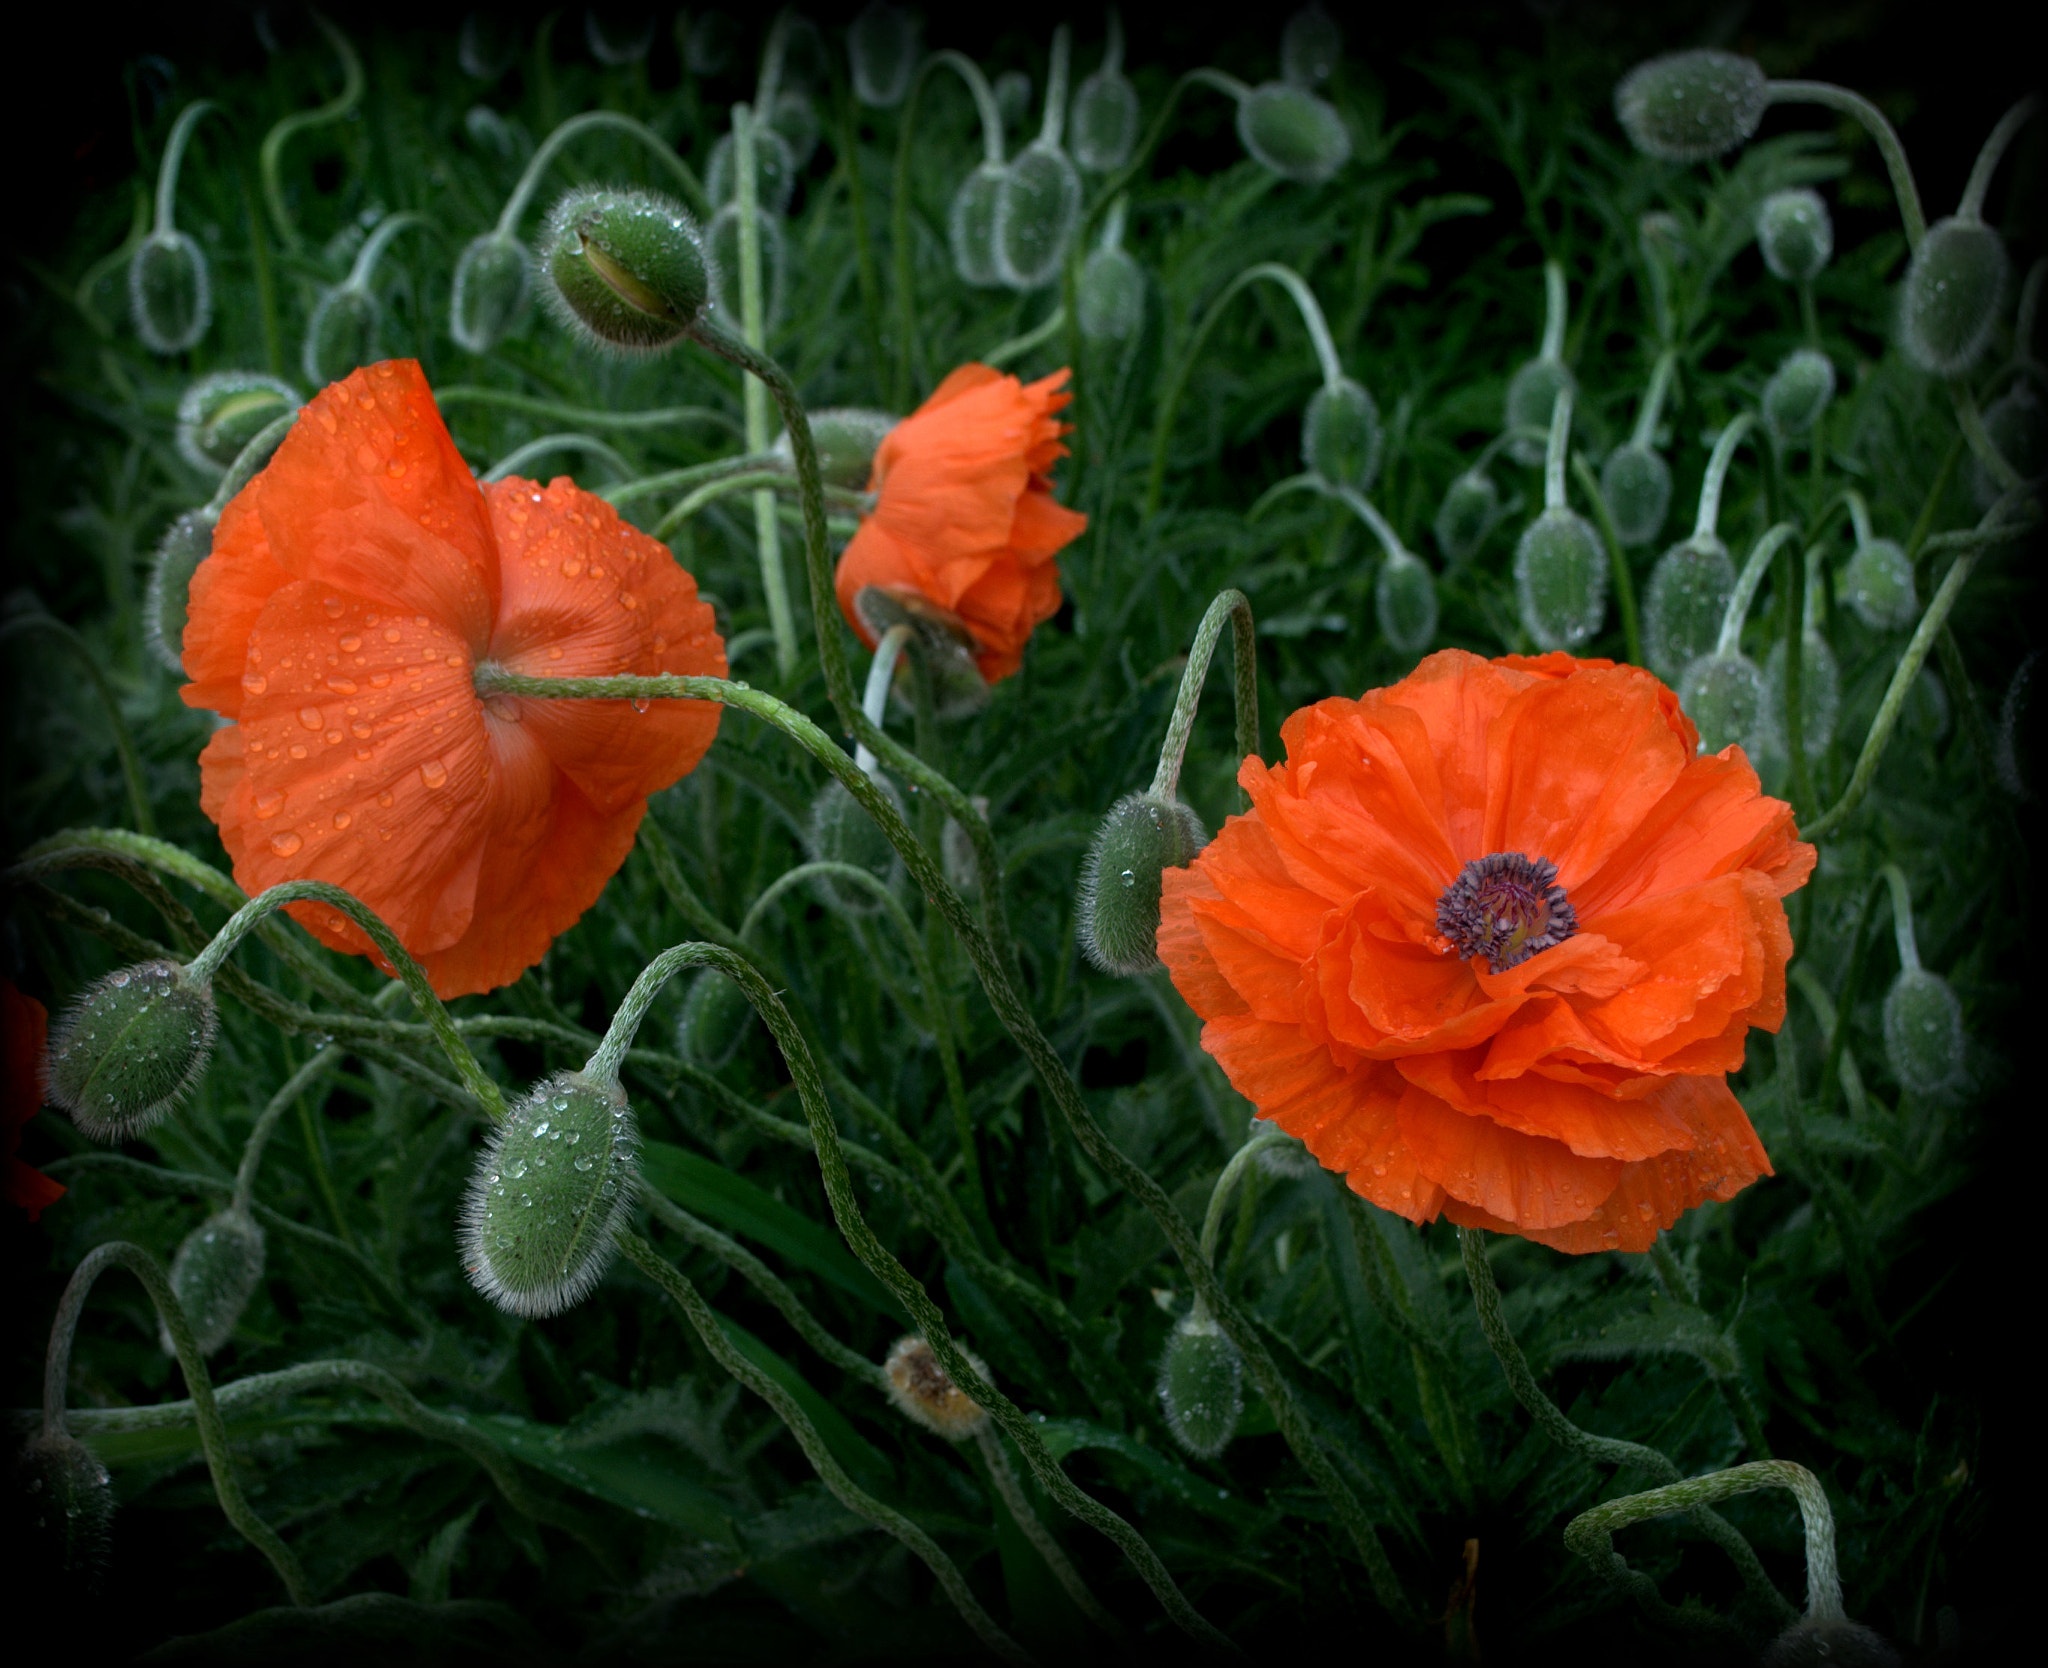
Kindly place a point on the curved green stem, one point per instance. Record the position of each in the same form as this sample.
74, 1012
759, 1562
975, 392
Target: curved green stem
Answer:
124, 740
364, 268
1617, 558
1855, 105
1971, 422
1555, 445
1244, 642
1226, 1185
271, 155
1017, 346
551, 147
874, 700
174, 157
462, 393
1554, 313
754, 396
1652, 411
1050, 128
1902, 917
718, 469
1972, 205
1709, 519
1746, 583
1035, 1531
249, 461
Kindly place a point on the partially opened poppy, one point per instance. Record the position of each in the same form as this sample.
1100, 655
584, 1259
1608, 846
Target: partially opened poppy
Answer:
965, 527
1489, 942
355, 588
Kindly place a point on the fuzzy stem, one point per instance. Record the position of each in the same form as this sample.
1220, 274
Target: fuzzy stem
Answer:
1902, 917
1972, 206
1555, 445
1018, 346
1859, 517
772, 50
271, 155
874, 701
1362, 507
324, 1060
249, 462
1617, 559
1971, 422
551, 147
174, 157
1652, 411
1226, 1184
1746, 583
364, 268
1709, 518
1861, 109
1035, 1531
696, 474
1050, 129
1173, 750
1554, 312
462, 393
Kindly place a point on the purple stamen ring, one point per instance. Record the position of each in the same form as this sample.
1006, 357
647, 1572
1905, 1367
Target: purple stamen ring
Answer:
1505, 907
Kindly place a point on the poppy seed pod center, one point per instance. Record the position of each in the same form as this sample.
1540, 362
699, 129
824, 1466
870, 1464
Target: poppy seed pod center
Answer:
1505, 907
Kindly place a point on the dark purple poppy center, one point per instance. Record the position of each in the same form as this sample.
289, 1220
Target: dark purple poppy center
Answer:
1505, 907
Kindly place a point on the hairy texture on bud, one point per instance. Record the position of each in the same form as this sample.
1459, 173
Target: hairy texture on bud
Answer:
341, 335
1689, 591
715, 1018
1470, 508
881, 45
944, 649
846, 438
170, 292
553, 1183
1310, 46
774, 172
1341, 439
222, 412
1038, 207
971, 227
1820, 694
624, 269
65, 1502
493, 284
1954, 288
1288, 1159
722, 250
841, 831
2018, 426
923, 1392
1560, 579
1532, 395
1102, 124
215, 1273
1830, 1642
1923, 1032
1109, 297
1140, 839
128, 1048
1201, 1386
1798, 392
1877, 584
1404, 601
186, 543
1293, 133
1691, 106
1795, 234
1636, 483
1723, 694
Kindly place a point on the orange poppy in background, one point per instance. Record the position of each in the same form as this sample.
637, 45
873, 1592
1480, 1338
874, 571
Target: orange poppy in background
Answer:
964, 519
24, 1033
1489, 942
355, 587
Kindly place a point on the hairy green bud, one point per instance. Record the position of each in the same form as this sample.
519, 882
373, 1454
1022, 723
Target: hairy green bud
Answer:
66, 1502
1201, 1386
943, 649
215, 1273
1404, 600
1923, 1032
186, 543
1688, 593
971, 226
2017, 425
1341, 437
1292, 132
847, 438
1691, 106
1103, 121
1109, 296
222, 412
1723, 694
1470, 508
341, 334
1140, 839
1636, 483
1310, 46
555, 1180
881, 47
841, 831
1037, 208
170, 292
714, 1021
1820, 693
493, 284
1532, 394
1798, 392
1795, 235
1288, 1159
1560, 579
1955, 285
128, 1047
624, 269
1877, 584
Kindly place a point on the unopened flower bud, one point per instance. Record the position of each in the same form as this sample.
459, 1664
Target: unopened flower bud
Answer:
341, 335
170, 292
1798, 392
493, 283
1288, 1158
1723, 694
1340, 435
722, 249
1292, 132
1103, 123
1795, 234
774, 172
847, 438
1636, 483
1109, 296
1532, 395
1954, 287
2017, 424
1820, 692
1140, 839
943, 649
67, 1504
554, 1181
1830, 1642
1877, 584
1201, 1386
128, 1048
186, 543
1310, 46
881, 45
971, 226
923, 1391
1470, 508
1404, 600
841, 831
222, 412
214, 1274
1691, 106
624, 268
715, 1018
1038, 207
1688, 593
1923, 1032
1560, 579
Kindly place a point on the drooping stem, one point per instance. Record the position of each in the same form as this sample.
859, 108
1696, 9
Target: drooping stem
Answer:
1971, 422
1554, 312
1855, 105
271, 155
1972, 206
1173, 750
772, 51
1709, 518
1226, 1185
1381, 529
325, 1059
1005, 1478
1652, 412
551, 147
1902, 917
1746, 583
1555, 446
1017, 346
174, 157
364, 267
584, 417
1859, 517
874, 701
1056, 89
1617, 558
249, 461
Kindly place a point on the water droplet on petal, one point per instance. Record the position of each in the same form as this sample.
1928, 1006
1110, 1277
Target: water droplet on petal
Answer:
342, 819
285, 844
434, 773
268, 803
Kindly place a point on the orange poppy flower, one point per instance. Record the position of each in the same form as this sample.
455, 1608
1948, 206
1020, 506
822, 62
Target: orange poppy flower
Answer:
965, 519
1489, 942
24, 1032
354, 588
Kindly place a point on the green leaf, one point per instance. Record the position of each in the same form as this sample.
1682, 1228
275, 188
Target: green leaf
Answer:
1069, 1436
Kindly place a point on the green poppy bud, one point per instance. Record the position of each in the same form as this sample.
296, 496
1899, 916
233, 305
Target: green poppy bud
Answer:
186, 543
214, 1274
1923, 1032
2018, 427
624, 269
1470, 508
1104, 121
1293, 133
1830, 1642
1798, 392
971, 226
923, 1391
493, 283
66, 1502
1689, 591
1795, 234
1691, 106
1636, 483
714, 1021
1404, 599
222, 412
1109, 296
1118, 902
1310, 46
1560, 579
554, 1181
170, 292
1955, 285
128, 1048
1532, 395
1037, 208
1287, 1159
881, 45
1340, 435
1723, 694
722, 248
615, 38
945, 650
841, 831
341, 334
847, 439
1877, 584
1820, 693
774, 171
1201, 1386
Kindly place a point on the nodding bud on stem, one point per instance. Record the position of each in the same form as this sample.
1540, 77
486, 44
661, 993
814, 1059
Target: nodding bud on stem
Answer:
1560, 579
617, 39
1292, 132
1955, 285
128, 1048
554, 1181
1877, 584
1310, 46
215, 1273
626, 269
222, 412
1691, 106
1798, 392
1723, 694
1795, 234
841, 831
941, 648
1820, 696
1340, 435
2017, 425
1689, 591
341, 335
1287, 1157
1142, 837
971, 227
170, 292
1109, 296
1468, 513
66, 1502
1636, 484
186, 543
1103, 123
1037, 209
1404, 602
1923, 1032
881, 48
1532, 395
924, 1392
847, 439
1201, 1385
493, 284
715, 1019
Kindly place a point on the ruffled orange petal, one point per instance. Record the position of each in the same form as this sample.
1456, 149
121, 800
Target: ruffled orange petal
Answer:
1525, 1179
228, 591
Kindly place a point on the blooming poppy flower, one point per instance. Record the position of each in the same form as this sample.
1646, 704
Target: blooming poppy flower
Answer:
1489, 941
354, 589
24, 1031
964, 521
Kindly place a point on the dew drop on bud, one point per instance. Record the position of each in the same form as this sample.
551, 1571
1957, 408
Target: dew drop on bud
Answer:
1560, 579
1138, 841
1794, 234
1877, 584
1723, 694
64, 1501
1691, 106
1955, 285
124, 1053
214, 1274
624, 269
1688, 593
1201, 1386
